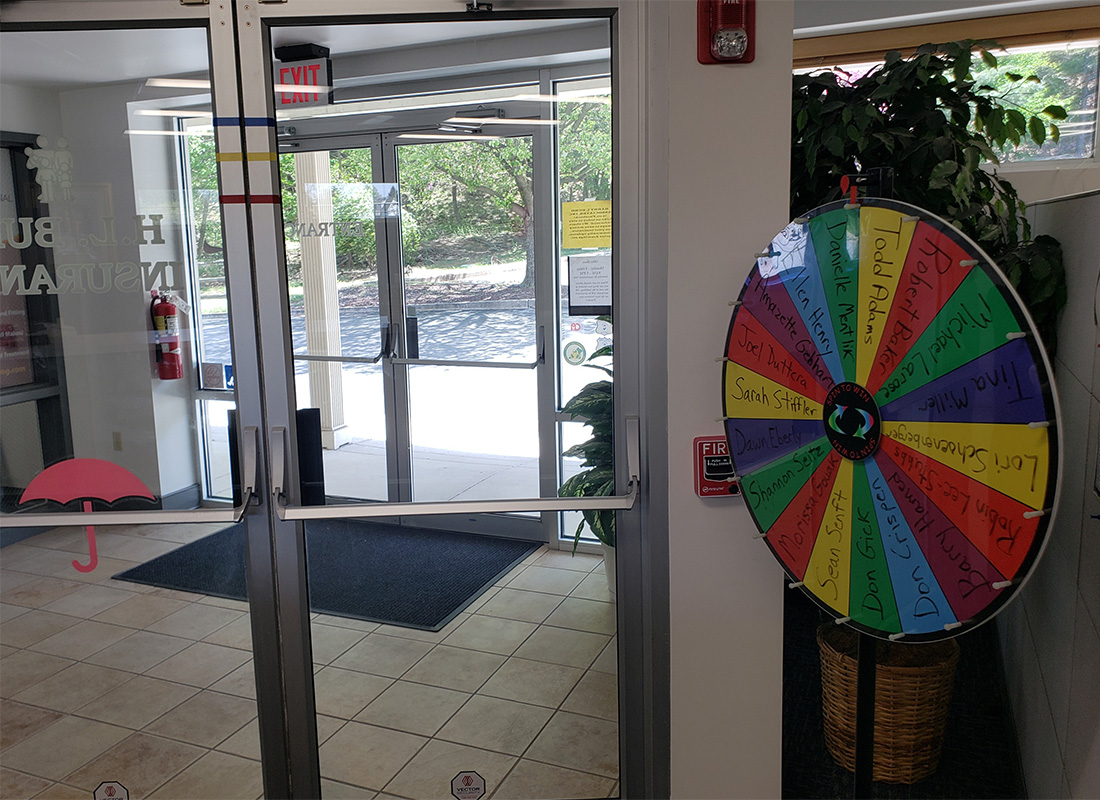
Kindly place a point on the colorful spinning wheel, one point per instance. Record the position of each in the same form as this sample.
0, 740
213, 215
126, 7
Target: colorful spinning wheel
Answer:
892, 417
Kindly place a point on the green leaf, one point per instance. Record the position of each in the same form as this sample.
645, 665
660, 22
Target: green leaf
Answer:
1055, 112
960, 70
1016, 119
1055, 133
802, 118
1014, 76
943, 169
989, 59
883, 91
606, 350
1037, 130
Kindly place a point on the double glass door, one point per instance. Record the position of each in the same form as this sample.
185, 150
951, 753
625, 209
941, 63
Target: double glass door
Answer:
207, 296
413, 305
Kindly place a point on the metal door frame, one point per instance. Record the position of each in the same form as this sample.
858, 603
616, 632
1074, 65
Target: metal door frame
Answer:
395, 366
279, 619
259, 324
642, 722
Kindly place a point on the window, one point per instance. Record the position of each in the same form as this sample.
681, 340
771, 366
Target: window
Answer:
1067, 73
1061, 46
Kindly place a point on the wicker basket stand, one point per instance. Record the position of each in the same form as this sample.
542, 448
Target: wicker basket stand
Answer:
912, 694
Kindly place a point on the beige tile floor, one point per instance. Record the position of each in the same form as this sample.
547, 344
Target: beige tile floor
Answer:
103, 680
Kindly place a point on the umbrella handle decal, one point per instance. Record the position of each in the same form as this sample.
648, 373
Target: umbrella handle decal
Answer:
85, 479
92, 554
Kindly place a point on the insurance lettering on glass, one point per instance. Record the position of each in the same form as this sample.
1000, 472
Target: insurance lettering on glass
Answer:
97, 277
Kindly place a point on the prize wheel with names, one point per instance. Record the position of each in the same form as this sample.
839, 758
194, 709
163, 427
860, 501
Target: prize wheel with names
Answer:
893, 420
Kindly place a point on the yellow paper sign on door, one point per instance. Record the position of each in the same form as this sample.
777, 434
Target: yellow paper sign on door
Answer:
586, 224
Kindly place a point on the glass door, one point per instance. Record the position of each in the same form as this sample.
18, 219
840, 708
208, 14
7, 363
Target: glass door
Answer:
206, 321
412, 289
458, 662
121, 662
467, 275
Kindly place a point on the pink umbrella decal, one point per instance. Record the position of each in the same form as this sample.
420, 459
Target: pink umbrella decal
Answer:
85, 479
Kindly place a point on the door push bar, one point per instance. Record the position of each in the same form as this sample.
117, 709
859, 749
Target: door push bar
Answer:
227, 514
360, 510
451, 362
385, 351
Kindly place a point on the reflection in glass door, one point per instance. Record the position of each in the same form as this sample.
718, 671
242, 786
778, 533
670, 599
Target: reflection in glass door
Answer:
116, 665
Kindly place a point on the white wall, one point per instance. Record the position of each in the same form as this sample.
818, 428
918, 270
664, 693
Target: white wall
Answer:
27, 110
1049, 181
1051, 633
729, 151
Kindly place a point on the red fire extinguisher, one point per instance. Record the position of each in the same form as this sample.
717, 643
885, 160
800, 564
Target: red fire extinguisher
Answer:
166, 328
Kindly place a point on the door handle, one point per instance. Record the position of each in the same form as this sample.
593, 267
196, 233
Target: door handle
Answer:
382, 353
540, 358
623, 502
454, 362
386, 349
227, 514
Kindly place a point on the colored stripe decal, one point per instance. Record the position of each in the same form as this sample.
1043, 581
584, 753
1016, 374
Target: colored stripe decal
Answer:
232, 122
228, 199
266, 156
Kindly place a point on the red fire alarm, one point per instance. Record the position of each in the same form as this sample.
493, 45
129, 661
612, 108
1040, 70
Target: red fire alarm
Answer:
714, 475
727, 31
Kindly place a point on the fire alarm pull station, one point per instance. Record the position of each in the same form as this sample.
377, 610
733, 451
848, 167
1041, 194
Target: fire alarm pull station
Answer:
714, 475
727, 31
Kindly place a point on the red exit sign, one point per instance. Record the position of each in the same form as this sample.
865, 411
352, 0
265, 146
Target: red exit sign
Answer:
714, 475
303, 83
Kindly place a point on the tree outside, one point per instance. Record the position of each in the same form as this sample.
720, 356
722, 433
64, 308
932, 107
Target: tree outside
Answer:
463, 204
1031, 80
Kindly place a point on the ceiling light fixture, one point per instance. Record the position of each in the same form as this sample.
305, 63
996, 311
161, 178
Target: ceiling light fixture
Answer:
164, 112
301, 88
206, 132
499, 121
177, 83
458, 137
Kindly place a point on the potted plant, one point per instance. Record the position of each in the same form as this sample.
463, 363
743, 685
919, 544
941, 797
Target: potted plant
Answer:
595, 406
939, 129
